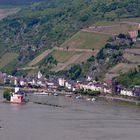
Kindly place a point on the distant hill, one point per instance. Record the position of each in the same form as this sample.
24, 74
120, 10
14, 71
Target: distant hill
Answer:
49, 24
18, 2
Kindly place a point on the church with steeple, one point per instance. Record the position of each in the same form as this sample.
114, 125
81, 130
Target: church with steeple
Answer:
39, 75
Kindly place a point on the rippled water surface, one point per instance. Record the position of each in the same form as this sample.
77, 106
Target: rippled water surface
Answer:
75, 120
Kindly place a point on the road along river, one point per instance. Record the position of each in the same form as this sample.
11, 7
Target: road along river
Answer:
74, 120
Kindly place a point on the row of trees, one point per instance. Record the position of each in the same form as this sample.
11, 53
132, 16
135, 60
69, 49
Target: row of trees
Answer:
87, 92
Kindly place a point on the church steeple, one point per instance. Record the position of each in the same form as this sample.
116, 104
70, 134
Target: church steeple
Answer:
39, 75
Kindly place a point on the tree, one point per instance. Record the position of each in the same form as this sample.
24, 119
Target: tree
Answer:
91, 59
6, 94
67, 48
75, 72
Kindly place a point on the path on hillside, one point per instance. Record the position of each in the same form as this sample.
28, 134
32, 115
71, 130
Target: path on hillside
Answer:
28, 68
75, 50
97, 32
40, 57
100, 29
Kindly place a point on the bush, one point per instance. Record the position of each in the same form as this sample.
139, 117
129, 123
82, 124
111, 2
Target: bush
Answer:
6, 94
87, 92
91, 59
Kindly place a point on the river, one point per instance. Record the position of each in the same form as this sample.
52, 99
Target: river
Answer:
75, 120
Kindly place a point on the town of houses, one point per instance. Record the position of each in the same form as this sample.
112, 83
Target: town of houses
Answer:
54, 83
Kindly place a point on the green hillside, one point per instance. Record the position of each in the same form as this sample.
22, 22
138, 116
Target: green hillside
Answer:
86, 40
48, 24
7, 58
130, 79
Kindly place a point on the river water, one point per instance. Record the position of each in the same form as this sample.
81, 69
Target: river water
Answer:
75, 120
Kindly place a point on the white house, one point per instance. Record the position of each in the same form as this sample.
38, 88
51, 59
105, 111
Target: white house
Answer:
68, 85
107, 90
61, 82
126, 92
92, 86
22, 82
15, 82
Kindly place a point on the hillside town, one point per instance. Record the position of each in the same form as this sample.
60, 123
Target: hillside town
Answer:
58, 83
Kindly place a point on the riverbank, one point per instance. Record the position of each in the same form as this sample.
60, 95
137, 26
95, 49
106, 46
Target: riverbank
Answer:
120, 100
117, 99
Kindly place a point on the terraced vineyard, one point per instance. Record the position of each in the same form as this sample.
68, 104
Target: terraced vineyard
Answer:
132, 55
88, 42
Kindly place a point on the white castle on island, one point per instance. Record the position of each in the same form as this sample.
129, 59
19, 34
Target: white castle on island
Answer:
17, 96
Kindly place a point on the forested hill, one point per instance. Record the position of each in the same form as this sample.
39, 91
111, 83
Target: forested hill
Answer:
18, 2
47, 24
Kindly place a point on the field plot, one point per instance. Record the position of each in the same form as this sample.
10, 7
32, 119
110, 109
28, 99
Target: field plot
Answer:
67, 58
86, 40
63, 56
106, 23
7, 58
134, 20
64, 66
120, 68
117, 22
115, 29
132, 55
33, 72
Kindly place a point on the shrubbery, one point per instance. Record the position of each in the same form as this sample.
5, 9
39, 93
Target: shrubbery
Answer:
6, 94
130, 79
87, 92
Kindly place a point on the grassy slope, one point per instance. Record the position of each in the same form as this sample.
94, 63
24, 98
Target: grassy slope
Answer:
7, 58
62, 56
86, 40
